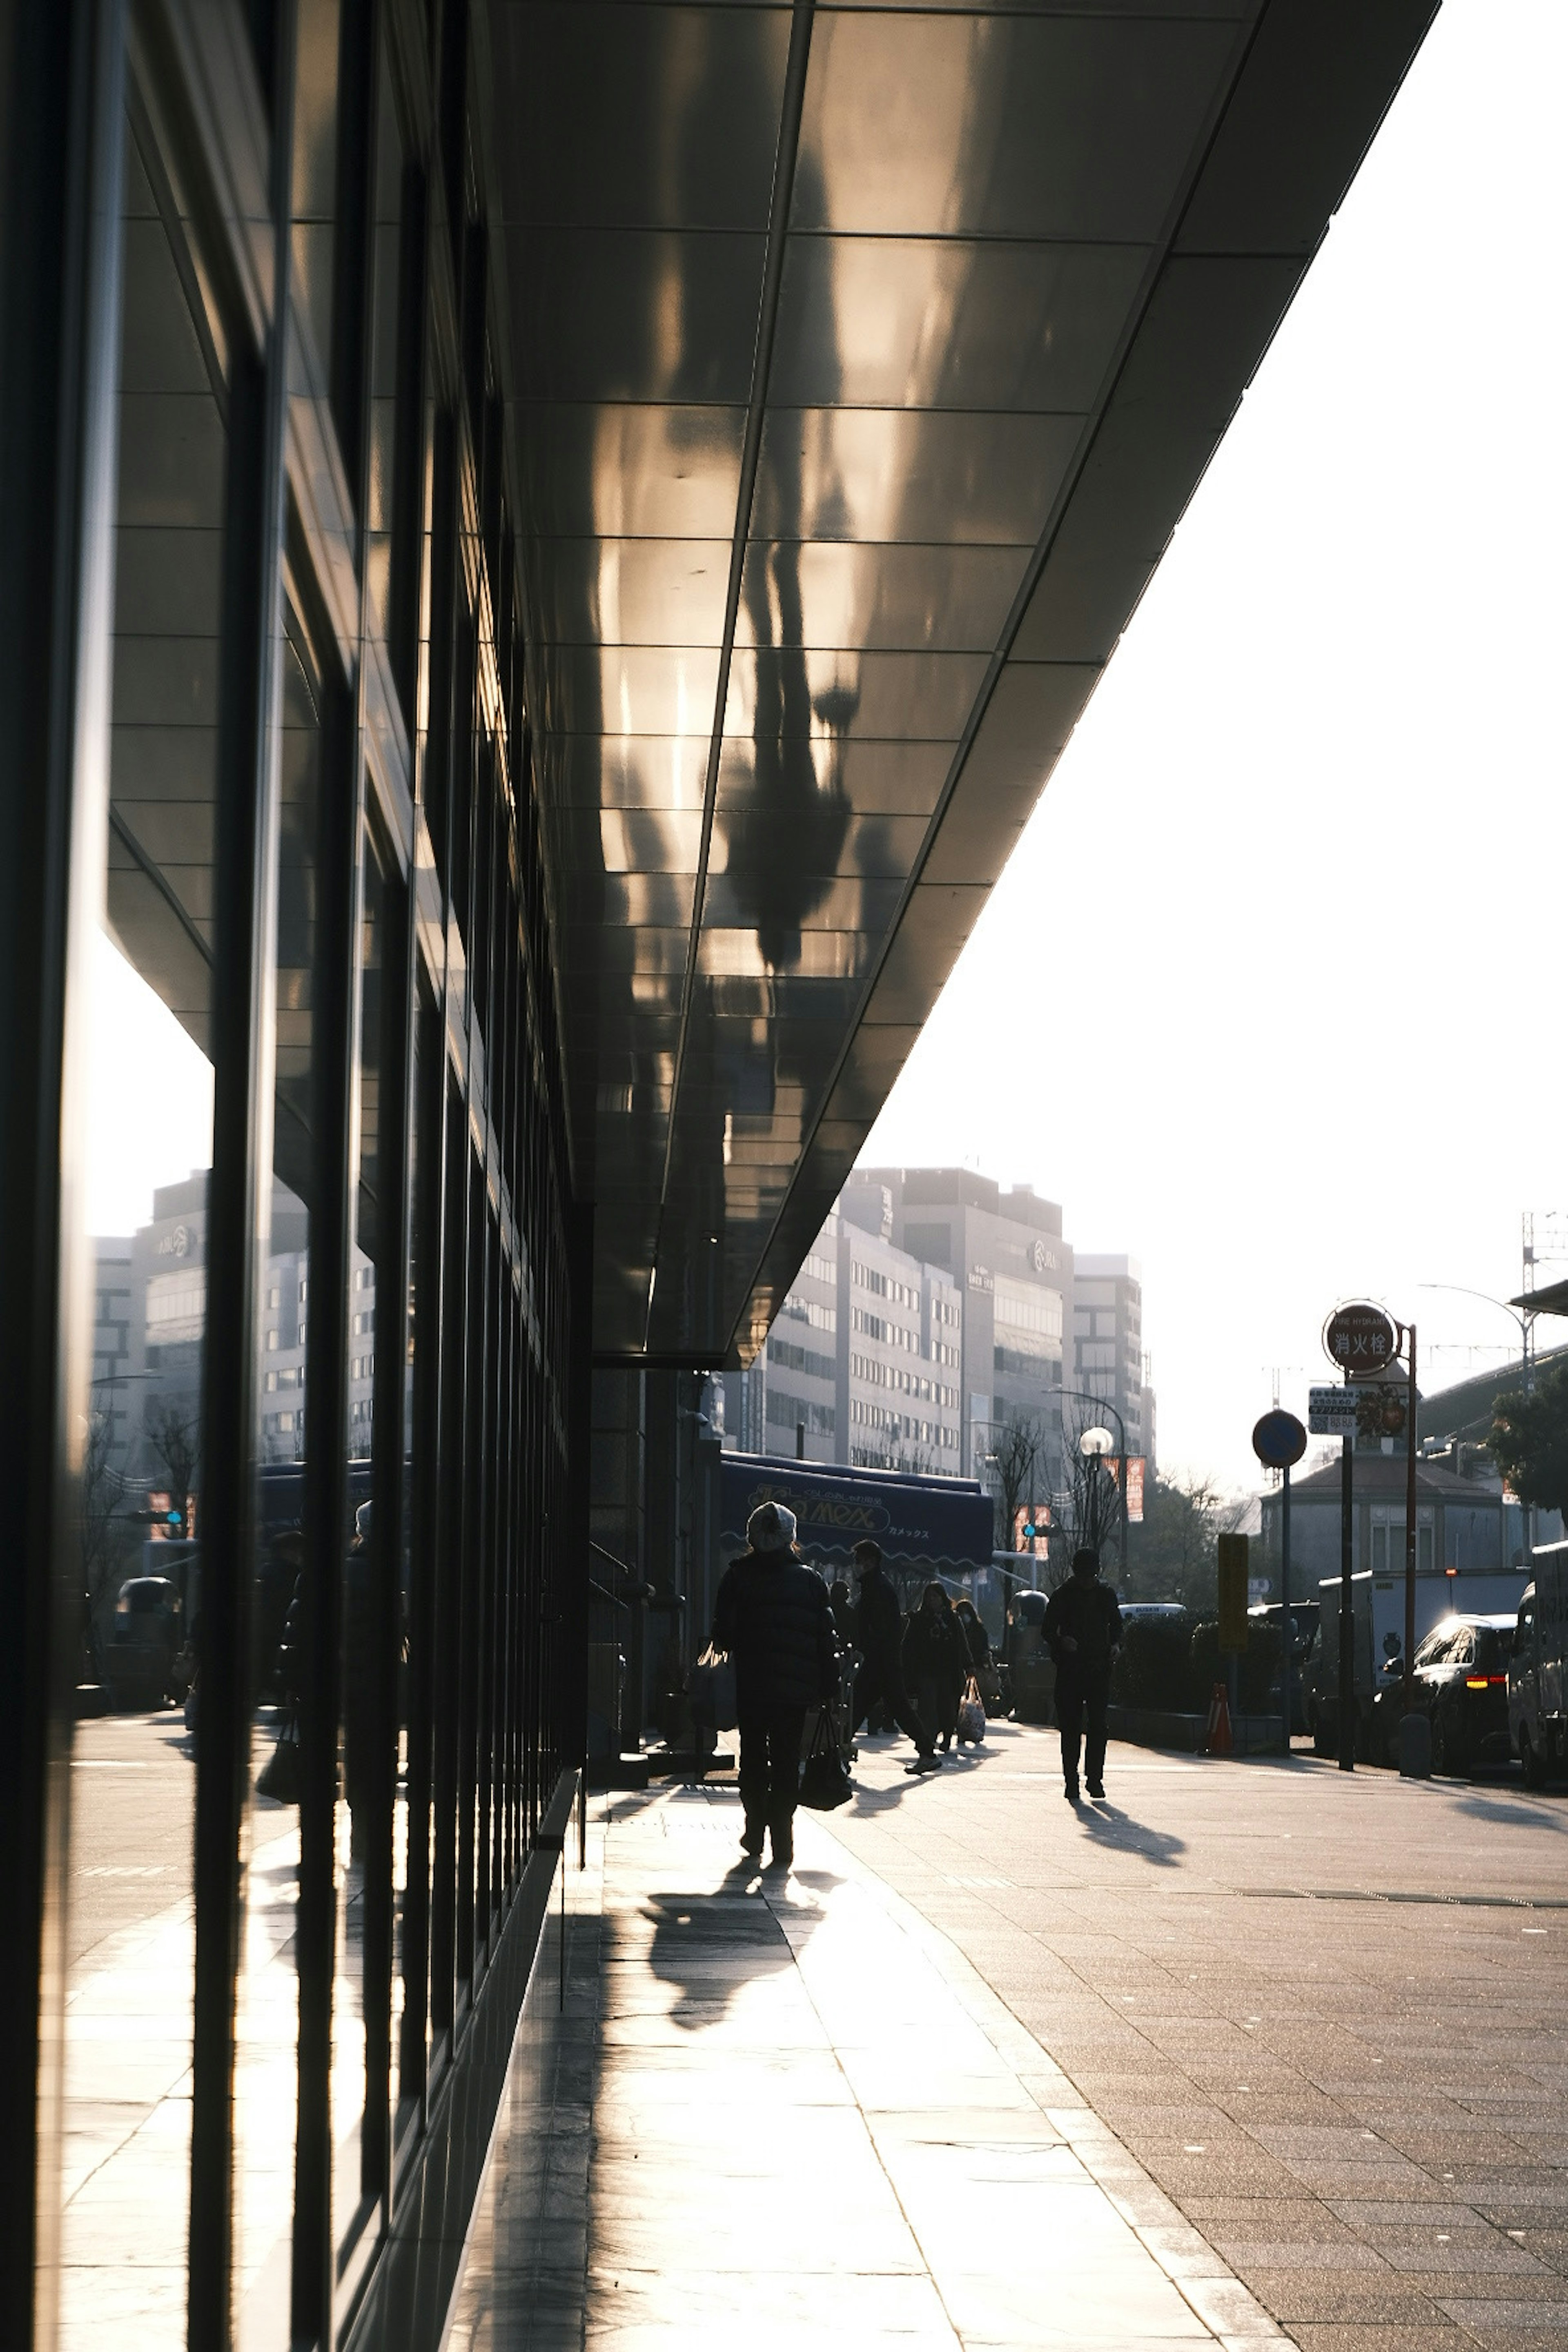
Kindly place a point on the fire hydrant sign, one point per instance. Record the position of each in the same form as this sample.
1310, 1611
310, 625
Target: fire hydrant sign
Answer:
1331, 1412
1360, 1339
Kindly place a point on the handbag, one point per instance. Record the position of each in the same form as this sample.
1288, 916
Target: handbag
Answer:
710, 1687
970, 1713
824, 1782
279, 1776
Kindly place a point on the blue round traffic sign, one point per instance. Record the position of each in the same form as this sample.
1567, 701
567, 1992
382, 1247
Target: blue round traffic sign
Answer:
1278, 1440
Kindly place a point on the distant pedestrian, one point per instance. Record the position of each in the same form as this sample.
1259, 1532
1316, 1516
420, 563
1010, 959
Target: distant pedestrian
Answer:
843, 1609
936, 1663
1083, 1631
975, 1634
772, 1617
879, 1625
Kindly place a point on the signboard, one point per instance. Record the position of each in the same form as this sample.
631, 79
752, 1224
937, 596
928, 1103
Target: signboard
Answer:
920, 1522
1135, 1490
1382, 1409
1233, 1583
1331, 1412
1031, 1529
1278, 1440
1360, 1339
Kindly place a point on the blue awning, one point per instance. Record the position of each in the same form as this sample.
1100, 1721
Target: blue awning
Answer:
925, 1523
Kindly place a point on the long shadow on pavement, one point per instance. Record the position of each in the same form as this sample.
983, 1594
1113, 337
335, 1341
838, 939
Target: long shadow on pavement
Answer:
1109, 1826
709, 1944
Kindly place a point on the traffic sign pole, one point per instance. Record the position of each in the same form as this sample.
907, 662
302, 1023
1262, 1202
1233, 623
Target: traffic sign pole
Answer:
1410, 1523
1347, 1607
1279, 1441
1285, 1643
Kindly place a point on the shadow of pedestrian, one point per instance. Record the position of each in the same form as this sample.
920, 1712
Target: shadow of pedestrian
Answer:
1109, 1826
709, 1945
1510, 1811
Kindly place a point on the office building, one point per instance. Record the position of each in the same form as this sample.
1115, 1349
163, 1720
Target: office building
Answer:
1108, 1363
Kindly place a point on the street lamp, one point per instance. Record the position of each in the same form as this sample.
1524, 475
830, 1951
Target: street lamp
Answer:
1526, 1323
1105, 1446
1094, 1445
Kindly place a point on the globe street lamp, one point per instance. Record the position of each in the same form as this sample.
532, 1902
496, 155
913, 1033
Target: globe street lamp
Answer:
1094, 1445
1099, 1449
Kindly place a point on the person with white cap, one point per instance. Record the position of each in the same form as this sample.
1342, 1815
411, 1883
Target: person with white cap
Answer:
771, 1615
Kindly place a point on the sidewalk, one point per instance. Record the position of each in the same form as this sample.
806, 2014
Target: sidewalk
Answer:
807, 2121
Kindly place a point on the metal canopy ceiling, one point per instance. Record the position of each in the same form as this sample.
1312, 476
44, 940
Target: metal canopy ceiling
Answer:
861, 363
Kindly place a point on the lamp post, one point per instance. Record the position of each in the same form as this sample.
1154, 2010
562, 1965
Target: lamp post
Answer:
1094, 1444
1117, 1446
1526, 1323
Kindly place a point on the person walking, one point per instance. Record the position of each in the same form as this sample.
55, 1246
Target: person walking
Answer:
771, 1615
879, 1625
1083, 1631
936, 1663
974, 1634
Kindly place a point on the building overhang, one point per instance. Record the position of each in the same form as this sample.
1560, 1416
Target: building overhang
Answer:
859, 365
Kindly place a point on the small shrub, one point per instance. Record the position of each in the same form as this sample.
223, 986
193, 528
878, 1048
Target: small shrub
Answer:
1258, 1665
1154, 1667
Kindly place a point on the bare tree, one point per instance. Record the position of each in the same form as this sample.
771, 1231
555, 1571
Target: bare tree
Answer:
102, 1493
1093, 1519
1014, 1463
173, 1431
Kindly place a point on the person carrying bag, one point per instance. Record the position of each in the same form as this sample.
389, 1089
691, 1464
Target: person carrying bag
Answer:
772, 1617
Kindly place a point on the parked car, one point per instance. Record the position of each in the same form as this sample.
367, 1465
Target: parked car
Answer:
1537, 1718
1460, 1680
142, 1656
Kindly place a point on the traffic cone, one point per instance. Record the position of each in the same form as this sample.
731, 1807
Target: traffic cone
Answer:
1216, 1739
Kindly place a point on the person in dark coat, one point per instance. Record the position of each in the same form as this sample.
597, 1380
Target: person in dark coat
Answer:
1083, 1631
879, 1632
936, 1663
977, 1639
771, 1616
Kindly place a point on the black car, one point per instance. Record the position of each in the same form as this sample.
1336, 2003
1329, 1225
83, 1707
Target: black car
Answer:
1461, 1680
141, 1657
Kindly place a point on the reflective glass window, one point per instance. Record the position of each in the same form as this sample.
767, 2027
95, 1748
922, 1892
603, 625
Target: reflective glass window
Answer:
386, 255
315, 173
130, 1920
266, 2072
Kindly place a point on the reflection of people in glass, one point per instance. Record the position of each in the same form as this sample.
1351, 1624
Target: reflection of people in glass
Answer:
786, 837
276, 1585
358, 1672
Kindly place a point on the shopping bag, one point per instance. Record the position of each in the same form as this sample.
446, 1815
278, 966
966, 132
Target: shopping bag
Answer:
970, 1713
824, 1782
710, 1687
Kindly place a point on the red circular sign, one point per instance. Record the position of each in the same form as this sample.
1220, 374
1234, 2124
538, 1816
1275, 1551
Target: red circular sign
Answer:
1361, 1339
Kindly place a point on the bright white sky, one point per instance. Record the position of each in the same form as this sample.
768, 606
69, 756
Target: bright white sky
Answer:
1327, 762
1326, 765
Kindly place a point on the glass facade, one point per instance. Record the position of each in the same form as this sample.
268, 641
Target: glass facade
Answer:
308, 1714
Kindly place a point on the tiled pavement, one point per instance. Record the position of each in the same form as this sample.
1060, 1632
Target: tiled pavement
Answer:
807, 2119
1312, 2005
991, 2071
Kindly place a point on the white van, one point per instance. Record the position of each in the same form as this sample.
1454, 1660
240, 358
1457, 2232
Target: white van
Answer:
1537, 1717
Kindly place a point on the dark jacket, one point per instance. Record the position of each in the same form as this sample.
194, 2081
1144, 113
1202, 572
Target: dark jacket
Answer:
772, 1617
935, 1650
878, 1620
1089, 1611
976, 1638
